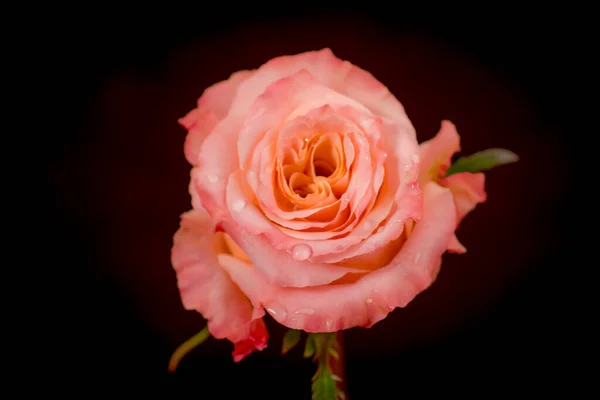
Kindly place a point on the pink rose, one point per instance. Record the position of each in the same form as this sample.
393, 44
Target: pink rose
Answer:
311, 200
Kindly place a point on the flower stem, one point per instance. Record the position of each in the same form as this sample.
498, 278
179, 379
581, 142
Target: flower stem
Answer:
338, 364
186, 347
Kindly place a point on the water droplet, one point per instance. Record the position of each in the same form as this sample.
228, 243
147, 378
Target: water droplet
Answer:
305, 310
384, 155
417, 257
369, 300
306, 140
413, 187
415, 158
277, 311
328, 323
212, 178
301, 252
238, 205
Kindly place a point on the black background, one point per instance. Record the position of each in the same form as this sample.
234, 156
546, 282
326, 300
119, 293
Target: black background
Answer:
496, 318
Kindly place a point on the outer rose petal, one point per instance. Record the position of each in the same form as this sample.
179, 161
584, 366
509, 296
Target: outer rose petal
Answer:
370, 299
213, 106
341, 76
437, 152
257, 340
467, 188
205, 287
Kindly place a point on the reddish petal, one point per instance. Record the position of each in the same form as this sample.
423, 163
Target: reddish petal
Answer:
256, 341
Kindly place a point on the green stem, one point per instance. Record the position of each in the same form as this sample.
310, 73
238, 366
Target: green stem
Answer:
337, 364
186, 347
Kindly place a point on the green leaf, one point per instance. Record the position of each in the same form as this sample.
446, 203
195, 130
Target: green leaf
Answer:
290, 340
333, 352
309, 346
323, 386
186, 347
482, 161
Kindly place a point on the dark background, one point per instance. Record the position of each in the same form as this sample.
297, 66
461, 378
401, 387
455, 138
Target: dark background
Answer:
496, 318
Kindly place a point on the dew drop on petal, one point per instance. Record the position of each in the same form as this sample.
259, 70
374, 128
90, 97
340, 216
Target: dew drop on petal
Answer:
369, 300
238, 205
305, 310
328, 323
301, 252
413, 187
417, 257
277, 311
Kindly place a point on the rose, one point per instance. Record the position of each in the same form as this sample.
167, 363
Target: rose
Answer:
311, 200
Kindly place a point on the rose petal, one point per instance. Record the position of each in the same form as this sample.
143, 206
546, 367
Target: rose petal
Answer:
468, 190
437, 152
213, 106
279, 267
256, 341
218, 98
206, 287
370, 299
330, 71
400, 191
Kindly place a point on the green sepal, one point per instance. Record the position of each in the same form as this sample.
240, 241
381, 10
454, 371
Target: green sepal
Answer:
482, 161
290, 340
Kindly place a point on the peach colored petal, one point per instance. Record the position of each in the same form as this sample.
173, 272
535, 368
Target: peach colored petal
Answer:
455, 246
199, 124
330, 71
277, 105
468, 190
213, 106
206, 287
278, 267
218, 98
400, 198
436, 153
370, 299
